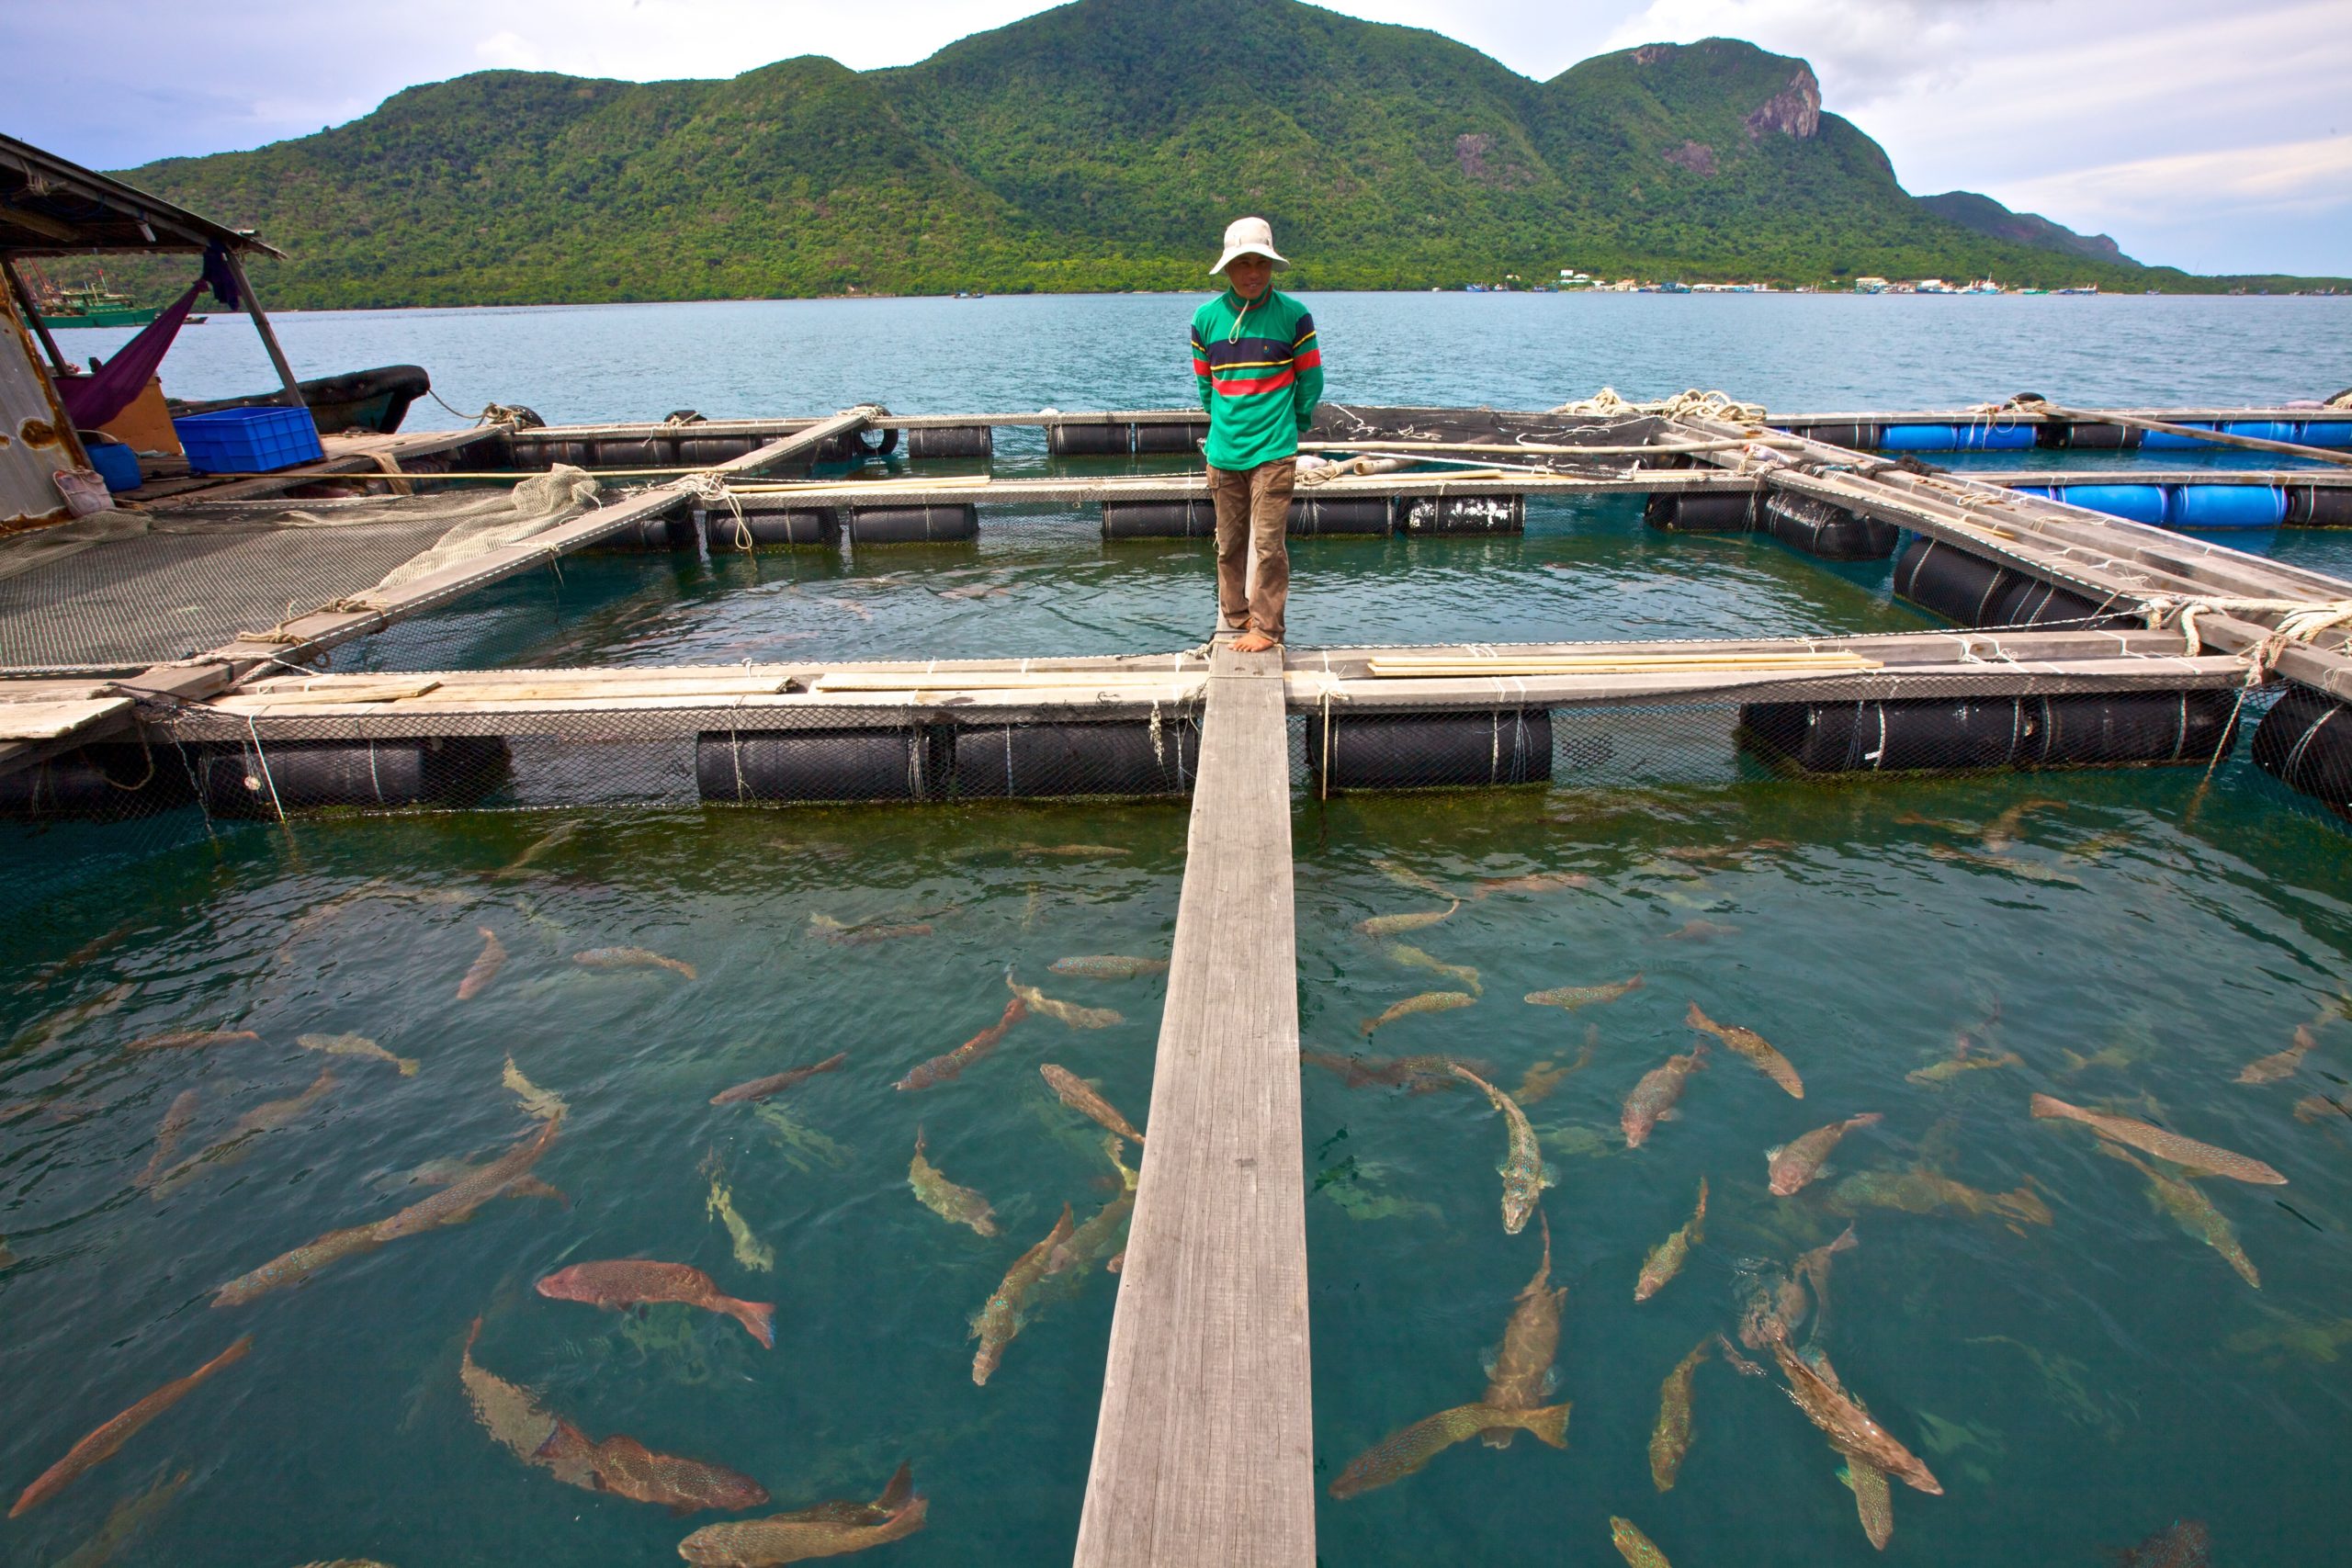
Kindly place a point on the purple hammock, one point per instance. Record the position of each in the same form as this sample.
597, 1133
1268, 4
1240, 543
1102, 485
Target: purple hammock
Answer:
91, 401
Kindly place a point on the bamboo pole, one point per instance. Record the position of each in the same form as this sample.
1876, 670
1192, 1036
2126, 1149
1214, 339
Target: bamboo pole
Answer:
2219, 437
293, 395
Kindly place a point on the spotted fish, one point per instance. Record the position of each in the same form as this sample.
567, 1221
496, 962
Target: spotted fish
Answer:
1108, 966
1665, 1259
1522, 1171
1523, 1364
1064, 1012
2281, 1064
2185, 1151
485, 967
106, 1440
190, 1038
1414, 958
168, 1134
1413, 921
1402, 1452
942, 1068
1575, 996
1638, 1550
1000, 1319
2192, 1211
632, 958
1752, 1045
1849, 1428
1427, 1001
1793, 1166
828, 1530
357, 1046
956, 1205
776, 1083
1653, 1099
1072, 1092
1671, 1439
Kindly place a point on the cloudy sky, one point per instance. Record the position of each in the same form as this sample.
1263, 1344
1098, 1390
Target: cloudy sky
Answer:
2216, 138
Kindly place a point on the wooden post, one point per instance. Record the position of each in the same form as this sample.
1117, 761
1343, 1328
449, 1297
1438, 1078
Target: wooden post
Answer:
293, 394
1203, 1451
33, 316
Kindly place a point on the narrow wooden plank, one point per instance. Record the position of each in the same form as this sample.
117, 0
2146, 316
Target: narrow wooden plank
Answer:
53, 720
1203, 1451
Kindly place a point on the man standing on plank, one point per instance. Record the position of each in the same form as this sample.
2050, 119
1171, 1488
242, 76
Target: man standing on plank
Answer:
1261, 374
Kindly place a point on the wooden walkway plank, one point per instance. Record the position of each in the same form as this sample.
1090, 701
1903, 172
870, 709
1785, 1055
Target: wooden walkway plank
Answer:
1203, 1452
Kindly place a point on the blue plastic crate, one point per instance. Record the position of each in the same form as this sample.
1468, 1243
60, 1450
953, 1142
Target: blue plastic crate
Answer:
249, 441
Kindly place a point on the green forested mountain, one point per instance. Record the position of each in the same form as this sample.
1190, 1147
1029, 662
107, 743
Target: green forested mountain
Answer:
1099, 145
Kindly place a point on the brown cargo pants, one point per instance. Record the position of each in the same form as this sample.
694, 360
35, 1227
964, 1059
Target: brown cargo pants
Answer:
1252, 549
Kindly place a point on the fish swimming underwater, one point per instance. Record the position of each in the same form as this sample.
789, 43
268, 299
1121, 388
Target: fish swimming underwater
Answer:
455, 1203
1531, 1337
1418, 920
356, 1045
1073, 1092
1874, 1503
1099, 1232
1638, 1550
125, 1520
1919, 1190
1575, 996
1653, 1099
296, 1266
1966, 1058
1698, 930
1427, 1002
998, 1320
539, 1104
2030, 871
1414, 1074
1522, 1171
776, 1083
1108, 966
1665, 1259
2185, 1151
829, 1529
1849, 1428
956, 1205
2183, 1543
1670, 1438
1813, 1268
1064, 1012
233, 1147
633, 1281
1414, 958
1536, 1083
485, 967
2191, 1210
942, 1068
107, 1439
2281, 1064
191, 1040
1795, 1164
1402, 1452
749, 1250
631, 958
1534, 882
168, 1133
1751, 1045
859, 935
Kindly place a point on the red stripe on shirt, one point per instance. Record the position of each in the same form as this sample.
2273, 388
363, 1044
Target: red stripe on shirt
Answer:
1200, 366
1311, 360
1262, 384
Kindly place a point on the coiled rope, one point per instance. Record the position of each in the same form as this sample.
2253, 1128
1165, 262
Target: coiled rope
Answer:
1692, 403
2301, 621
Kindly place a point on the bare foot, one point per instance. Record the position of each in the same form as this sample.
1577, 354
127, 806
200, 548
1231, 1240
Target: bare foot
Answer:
1253, 642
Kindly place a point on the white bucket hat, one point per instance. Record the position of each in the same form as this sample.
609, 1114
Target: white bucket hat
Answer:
1247, 236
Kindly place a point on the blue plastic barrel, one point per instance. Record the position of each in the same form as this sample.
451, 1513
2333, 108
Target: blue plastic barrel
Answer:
1919, 438
2165, 441
1994, 438
2227, 506
2039, 493
2140, 503
2264, 429
2331, 432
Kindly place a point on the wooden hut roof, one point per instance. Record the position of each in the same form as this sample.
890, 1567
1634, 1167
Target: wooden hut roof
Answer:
52, 206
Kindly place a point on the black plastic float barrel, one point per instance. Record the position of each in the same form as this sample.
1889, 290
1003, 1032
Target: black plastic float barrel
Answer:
1159, 520
672, 530
1010, 761
1978, 593
1090, 440
1955, 733
951, 441
799, 526
939, 521
822, 765
2087, 435
1318, 514
1169, 437
1706, 513
1461, 514
645, 452
2306, 742
2319, 506
1425, 750
1853, 437
99, 783
241, 780
704, 450
1829, 532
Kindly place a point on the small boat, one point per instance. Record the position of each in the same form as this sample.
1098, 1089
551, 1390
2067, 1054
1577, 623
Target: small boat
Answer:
373, 401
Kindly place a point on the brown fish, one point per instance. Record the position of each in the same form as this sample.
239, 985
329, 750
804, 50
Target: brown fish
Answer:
1536, 1083
1400, 1453
485, 967
2185, 1151
1671, 1439
1523, 1364
1776, 1304
628, 1283
2183, 1543
776, 1083
1849, 1429
236, 1145
632, 958
1415, 1075
941, 1069
1418, 920
1653, 1099
833, 930
1753, 1046
1813, 1268
1575, 996
1064, 1012
1000, 1320
2319, 1107
190, 1038
956, 1205
102, 1444
1965, 1058
1874, 1503
1413, 957
167, 1137
1073, 1093
1108, 966
829, 1529
1534, 882
1522, 1171
296, 1266
2280, 1063
626, 1468
1427, 1002
127, 1518
1638, 1550
1664, 1261
358, 1045
2192, 1211
455, 1203
1796, 1164
1700, 931
1923, 1192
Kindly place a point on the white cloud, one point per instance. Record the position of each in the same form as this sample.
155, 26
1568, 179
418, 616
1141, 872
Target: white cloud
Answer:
510, 51
2300, 177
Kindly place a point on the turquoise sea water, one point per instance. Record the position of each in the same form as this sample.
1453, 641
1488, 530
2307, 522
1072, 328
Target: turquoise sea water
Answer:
2075, 1385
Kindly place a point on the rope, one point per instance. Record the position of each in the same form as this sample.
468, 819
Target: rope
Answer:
1684, 404
2301, 621
710, 487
